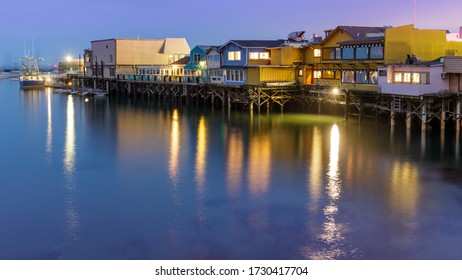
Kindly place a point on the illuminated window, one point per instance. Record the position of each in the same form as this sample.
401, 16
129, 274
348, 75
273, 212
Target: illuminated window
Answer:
253, 55
317, 52
234, 55
416, 78
264, 55
398, 77
317, 74
329, 74
407, 77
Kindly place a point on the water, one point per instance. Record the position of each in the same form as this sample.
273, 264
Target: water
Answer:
126, 179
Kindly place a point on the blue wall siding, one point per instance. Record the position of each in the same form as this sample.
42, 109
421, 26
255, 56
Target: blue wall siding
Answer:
231, 47
192, 65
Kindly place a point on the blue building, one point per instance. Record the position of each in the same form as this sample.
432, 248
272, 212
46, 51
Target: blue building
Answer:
238, 55
197, 63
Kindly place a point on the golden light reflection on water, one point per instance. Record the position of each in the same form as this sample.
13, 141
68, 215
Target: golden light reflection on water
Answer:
235, 160
404, 183
259, 164
72, 217
201, 166
315, 169
174, 149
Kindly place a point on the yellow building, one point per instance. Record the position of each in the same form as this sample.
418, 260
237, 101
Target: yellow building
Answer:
424, 44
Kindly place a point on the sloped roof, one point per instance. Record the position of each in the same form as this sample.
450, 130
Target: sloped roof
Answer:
367, 40
182, 61
357, 31
256, 43
176, 45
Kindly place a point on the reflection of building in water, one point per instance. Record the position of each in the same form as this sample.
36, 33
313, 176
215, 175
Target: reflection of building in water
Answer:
235, 161
201, 165
404, 183
72, 217
174, 149
315, 172
259, 164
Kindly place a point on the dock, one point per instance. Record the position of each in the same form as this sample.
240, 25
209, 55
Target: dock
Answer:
445, 108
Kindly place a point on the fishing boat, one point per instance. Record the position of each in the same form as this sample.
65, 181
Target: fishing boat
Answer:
29, 74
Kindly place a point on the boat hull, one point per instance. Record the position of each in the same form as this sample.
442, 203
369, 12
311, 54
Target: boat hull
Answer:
32, 84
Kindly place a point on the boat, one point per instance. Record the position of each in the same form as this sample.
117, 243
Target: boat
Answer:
29, 74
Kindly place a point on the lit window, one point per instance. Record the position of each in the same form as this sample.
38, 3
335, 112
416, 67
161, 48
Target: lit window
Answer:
317, 74
234, 55
407, 77
253, 55
264, 55
317, 52
416, 78
398, 77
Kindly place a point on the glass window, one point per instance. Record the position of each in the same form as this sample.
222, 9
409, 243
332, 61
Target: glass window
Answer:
407, 77
317, 53
328, 74
416, 78
362, 53
253, 55
348, 77
331, 53
348, 53
361, 77
398, 77
264, 55
376, 52
317, 74
373, 77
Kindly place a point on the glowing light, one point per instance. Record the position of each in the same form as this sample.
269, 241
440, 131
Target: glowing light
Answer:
69, 148
68, 58
174, 148
201, 151
316, 171
86, 100
335, 91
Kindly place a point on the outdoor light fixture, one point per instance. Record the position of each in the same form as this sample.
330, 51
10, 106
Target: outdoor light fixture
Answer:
335, 91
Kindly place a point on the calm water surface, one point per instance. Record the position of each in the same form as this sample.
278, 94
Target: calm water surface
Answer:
121, 179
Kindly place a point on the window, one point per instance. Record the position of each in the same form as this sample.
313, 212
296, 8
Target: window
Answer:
348, 77
376, 52
234, 55
361, 77
110, 58
235, 75
407, 77
382, 73
416, 78
300, 72
112, 72
253, 55
411, 78
348, 53
398, 77
329, 74
362, 53
317, 52
331, 53
317, 74
196, 57
258, 55
373, 77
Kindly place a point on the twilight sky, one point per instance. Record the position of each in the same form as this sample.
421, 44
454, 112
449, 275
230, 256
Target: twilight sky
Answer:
59, 27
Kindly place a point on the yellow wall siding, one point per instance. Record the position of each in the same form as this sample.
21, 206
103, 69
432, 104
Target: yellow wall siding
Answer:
426, 44
275, 55
257, 76
338, 36
258, 62
253, 76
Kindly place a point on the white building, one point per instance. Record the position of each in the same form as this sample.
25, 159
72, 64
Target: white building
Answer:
112, 57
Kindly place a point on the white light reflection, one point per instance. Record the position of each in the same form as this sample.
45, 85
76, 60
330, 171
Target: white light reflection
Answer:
331, 237
49, 141
72, 217
174, 149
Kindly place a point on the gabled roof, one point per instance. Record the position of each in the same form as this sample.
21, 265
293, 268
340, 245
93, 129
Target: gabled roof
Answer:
366, 40
213, 48
357, 31
182, 61
203, 47
255, 43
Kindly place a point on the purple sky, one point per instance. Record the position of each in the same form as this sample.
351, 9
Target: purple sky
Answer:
61, 27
